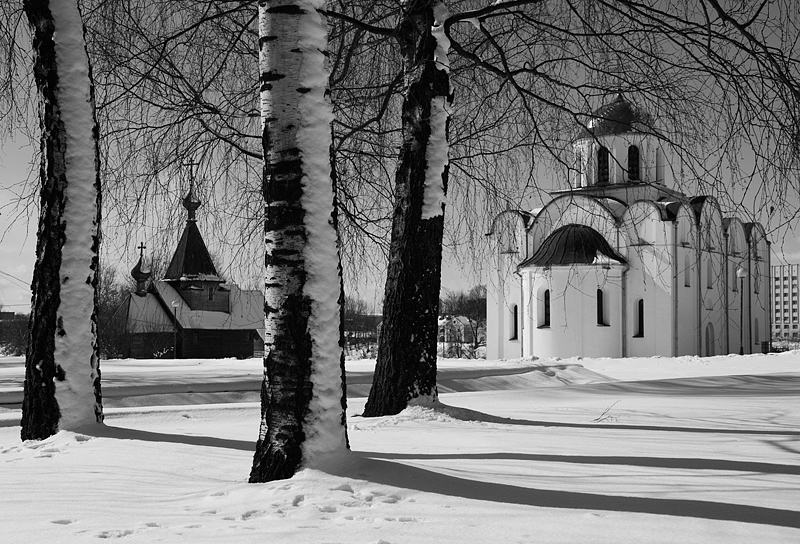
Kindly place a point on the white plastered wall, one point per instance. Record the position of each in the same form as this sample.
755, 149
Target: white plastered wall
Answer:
574, 328
504, 288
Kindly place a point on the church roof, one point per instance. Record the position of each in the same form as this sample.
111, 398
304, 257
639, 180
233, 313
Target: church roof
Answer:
573, 244
618, 117
191, 258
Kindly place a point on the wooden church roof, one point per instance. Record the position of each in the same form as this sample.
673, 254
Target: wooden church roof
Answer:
191, 259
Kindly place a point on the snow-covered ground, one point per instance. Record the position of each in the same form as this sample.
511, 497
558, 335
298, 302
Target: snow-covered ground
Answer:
581, 450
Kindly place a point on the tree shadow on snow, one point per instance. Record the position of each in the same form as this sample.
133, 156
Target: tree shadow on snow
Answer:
389, 473
688, 463
466, 414
123, 433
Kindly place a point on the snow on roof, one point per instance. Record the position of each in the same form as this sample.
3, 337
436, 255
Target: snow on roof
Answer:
246, 310
153, 312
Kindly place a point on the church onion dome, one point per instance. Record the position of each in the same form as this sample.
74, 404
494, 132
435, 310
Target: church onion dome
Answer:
141, 271
617, 117
574, 244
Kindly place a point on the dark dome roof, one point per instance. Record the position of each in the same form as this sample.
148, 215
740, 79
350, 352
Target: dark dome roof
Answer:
618, 117
572, 244
141, 272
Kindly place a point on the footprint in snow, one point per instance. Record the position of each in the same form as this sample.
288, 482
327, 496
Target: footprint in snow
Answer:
249, 515
115, 534
297, 500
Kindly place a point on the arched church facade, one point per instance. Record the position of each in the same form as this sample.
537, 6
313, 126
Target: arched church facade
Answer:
621, 265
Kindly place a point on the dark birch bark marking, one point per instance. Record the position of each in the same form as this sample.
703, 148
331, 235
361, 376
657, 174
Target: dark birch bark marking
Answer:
406, 366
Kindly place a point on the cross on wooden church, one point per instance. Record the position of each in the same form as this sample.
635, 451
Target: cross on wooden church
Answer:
141, 249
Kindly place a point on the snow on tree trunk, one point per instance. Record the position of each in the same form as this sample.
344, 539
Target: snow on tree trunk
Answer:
62, 373
406, 366
302, 411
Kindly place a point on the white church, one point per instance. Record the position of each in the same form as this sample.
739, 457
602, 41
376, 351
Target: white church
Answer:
621, 265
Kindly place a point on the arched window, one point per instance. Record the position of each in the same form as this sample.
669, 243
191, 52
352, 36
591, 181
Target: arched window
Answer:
633, 163
710, 274
544, 313
639, 318
514, 322
601, 309
602, 166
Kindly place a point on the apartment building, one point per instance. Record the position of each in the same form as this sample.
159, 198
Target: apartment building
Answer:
785, 318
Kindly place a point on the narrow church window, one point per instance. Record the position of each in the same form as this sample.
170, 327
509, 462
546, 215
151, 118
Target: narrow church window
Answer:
544, 310
633, 163
639, 318
514, 322
659, 166
602, 166
683, 232
709, 340
210, 293
601, 311
687, 272
579, 169
710, 275
734, 280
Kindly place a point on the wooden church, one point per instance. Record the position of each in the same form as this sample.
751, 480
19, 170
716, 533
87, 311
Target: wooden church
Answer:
192, 312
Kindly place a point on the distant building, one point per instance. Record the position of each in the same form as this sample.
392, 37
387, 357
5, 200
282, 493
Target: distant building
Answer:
622, 265
786, 322
461, 329
192, 311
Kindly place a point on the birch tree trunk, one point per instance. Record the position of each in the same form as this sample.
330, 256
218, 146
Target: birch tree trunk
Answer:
302, 396
406, 366
62, 373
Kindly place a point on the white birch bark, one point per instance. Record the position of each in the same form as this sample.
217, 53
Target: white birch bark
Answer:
303, 361
76, 338
62, 381
438, 150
